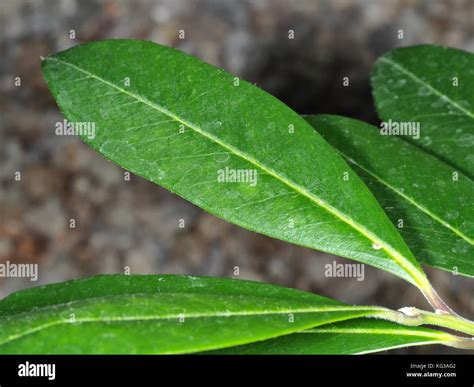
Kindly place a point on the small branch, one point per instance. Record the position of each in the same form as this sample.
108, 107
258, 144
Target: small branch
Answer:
433, 298
414, 317
454, 322
437, 302
461, 342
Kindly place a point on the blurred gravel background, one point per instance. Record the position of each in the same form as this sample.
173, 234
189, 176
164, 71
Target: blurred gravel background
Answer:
135, 223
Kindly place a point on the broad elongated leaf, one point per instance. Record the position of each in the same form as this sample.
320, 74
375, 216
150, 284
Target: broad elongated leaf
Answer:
433, 211
433, 86
358, 336
224, 145
159, 314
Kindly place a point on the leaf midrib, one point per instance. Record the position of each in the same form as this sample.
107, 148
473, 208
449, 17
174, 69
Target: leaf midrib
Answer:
408, 266
306, 309
394, 332
427, 85
220, 314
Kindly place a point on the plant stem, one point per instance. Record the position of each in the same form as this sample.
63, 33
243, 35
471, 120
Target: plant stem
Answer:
433, 298
414, 317
456, 323
461, 342
444, 316
437, 302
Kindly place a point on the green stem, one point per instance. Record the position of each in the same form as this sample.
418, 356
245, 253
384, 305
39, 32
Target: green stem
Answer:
456, 323
444, 316
415, 317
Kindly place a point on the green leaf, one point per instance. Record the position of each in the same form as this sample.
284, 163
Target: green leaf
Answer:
433, 86
159, 314
434, 213
358, 336
192, 128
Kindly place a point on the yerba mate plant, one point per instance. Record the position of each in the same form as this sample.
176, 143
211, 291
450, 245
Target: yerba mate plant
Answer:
391, 198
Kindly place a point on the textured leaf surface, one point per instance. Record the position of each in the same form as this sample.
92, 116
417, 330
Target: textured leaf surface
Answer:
158, 314
182, 123
418, 84
434, 213
356, 336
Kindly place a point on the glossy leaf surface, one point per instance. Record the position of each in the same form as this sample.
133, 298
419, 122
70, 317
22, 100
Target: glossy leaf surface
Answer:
433, 211
357, 336
224, 145
433, 86
158, 314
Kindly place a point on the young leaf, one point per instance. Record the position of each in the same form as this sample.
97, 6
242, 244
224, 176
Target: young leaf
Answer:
432, 211
159, 314
224, 145
433, 86
358, 336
